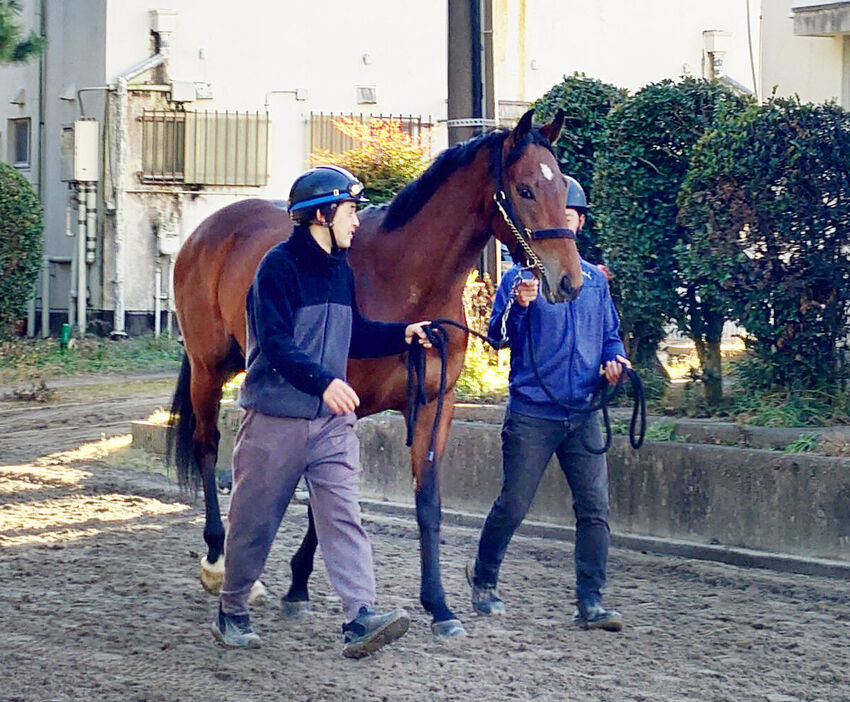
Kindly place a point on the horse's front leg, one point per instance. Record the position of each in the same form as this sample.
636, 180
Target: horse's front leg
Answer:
426, 472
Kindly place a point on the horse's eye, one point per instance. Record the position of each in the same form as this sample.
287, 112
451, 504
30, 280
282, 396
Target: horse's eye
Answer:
525, 192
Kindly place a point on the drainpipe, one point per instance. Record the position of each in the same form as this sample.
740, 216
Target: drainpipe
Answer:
82, 323
162, 25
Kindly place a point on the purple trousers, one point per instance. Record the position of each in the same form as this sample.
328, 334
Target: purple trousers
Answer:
269, 457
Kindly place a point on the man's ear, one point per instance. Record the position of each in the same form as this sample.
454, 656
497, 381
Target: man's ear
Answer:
581, 220
319, 216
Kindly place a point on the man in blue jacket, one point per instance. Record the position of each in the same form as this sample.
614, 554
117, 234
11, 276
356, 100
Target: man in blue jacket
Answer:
572, 343
303, 324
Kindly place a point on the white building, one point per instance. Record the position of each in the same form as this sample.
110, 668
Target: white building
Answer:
198, 104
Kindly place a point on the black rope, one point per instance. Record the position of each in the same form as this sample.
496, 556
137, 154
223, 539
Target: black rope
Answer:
602, 395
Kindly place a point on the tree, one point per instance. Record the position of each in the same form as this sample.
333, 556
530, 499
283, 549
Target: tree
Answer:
768, 200
14, 46
387, 159
648, 146
21, 228
585, 102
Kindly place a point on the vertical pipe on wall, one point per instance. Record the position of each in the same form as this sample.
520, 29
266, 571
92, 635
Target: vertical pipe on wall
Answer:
157, 300
91, 223
82, 194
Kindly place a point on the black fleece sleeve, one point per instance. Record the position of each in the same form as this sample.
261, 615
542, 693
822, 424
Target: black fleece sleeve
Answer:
274, 299
371, 339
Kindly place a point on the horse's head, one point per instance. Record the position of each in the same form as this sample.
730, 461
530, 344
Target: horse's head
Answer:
530, 204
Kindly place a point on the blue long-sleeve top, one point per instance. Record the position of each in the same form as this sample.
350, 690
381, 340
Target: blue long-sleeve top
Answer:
571, 342
303, 325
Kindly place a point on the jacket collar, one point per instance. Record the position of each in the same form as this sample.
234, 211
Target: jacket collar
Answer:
305, 245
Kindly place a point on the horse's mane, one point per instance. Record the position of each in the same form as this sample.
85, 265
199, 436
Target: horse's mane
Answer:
415, 194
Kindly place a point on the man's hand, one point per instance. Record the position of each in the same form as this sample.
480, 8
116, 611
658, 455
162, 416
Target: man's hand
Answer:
614, 369
416, 329
526, 292
340, 397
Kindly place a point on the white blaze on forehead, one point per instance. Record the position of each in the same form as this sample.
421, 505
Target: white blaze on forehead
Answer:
547, 172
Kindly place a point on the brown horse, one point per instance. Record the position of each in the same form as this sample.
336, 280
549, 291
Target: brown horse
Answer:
411, 260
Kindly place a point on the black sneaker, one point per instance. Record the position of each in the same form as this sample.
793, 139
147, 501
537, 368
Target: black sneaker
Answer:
592, 615
234, 631
485, 598
371, 631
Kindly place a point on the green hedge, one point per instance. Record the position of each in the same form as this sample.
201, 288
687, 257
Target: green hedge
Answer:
768, 198
585, 102
648, 145
21, 226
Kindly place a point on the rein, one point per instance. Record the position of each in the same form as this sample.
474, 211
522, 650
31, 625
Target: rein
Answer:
600, 398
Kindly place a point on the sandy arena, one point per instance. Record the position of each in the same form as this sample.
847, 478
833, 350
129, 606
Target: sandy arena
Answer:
101, 600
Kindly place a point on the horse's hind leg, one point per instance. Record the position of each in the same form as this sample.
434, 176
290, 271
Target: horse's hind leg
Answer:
296, 602
432, 596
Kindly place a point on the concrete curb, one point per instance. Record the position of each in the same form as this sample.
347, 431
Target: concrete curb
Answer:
742, 557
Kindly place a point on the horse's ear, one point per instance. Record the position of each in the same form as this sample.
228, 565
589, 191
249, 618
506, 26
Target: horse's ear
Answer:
522, 128
553, 130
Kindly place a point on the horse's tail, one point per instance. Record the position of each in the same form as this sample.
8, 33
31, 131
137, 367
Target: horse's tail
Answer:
181, 430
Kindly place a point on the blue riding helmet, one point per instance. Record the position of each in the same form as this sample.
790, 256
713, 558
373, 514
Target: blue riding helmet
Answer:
576, 199
324, 185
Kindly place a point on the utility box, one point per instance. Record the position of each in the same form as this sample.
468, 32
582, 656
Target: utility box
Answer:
78, 145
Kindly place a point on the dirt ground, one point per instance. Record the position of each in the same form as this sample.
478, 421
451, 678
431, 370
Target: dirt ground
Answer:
100, 599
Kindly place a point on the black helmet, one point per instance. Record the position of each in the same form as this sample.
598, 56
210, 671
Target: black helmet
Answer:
321, 186
576, 199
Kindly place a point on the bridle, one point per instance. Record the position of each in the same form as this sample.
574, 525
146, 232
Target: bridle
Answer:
523, 235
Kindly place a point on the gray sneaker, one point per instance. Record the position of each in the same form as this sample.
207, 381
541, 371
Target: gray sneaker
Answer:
370, 631
234, 631
592, 615
485, 598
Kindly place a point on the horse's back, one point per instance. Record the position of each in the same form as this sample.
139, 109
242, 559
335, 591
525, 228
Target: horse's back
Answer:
214, 270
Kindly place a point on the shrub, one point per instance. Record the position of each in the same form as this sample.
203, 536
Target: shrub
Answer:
21, 226
483, 375
387, 160
768, 198
648, 146
585, 102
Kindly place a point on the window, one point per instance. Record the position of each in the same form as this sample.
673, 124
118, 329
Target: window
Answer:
205, 148
19, 142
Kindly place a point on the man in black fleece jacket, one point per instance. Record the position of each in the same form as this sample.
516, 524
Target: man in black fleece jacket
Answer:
303, 324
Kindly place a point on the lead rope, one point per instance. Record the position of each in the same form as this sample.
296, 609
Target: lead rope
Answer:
439, 338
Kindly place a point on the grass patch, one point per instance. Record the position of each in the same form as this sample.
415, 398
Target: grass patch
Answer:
30, 359
805, 443
662, 430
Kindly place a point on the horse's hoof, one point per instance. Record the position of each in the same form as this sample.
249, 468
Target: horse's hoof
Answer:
258, 595
212, 575
296, 609
450, 628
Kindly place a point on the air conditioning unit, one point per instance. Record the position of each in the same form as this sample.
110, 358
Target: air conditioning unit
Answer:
79, 151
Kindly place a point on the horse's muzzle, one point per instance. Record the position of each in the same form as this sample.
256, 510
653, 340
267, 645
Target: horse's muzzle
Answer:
566, 289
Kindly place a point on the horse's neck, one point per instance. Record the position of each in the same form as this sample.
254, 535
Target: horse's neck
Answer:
425, 262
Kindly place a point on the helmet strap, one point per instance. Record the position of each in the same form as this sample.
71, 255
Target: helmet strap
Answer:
327, 222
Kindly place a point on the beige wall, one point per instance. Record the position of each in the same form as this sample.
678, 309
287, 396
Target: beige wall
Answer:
623, 42
811, 67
